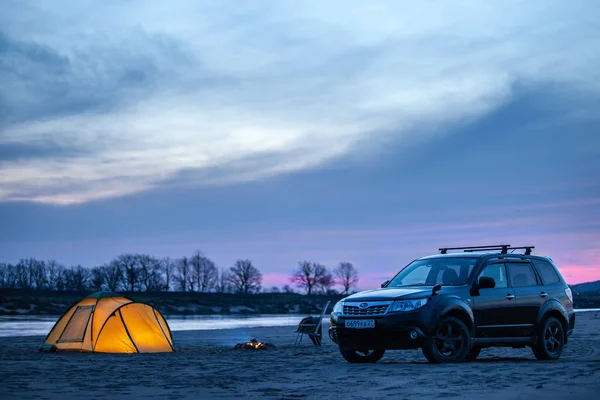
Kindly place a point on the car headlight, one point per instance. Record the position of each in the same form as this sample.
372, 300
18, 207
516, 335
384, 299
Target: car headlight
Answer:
338, 308
407, 305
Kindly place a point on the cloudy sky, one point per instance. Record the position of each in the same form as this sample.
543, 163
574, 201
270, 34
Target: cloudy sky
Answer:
369, 132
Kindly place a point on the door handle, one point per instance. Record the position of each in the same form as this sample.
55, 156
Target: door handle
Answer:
510, 296
543, 294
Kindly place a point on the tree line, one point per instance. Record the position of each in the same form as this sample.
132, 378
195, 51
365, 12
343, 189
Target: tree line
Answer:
198, 273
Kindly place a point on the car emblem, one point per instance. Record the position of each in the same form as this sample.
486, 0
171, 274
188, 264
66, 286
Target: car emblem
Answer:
363, 305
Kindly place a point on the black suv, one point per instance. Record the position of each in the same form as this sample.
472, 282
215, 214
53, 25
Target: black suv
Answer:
451, 305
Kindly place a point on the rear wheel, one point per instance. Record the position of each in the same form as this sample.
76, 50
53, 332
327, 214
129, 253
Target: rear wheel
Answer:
361, 356
551, 340
450, 342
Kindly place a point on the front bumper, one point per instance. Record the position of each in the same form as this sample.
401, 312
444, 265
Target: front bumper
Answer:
391, 331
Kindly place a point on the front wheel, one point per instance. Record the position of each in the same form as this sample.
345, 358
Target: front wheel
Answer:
450, 342
361, 356
551, 340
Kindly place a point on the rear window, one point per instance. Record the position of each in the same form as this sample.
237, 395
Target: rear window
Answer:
521, 275
546, 271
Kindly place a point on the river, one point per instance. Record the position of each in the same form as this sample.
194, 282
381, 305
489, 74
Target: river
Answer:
29, 325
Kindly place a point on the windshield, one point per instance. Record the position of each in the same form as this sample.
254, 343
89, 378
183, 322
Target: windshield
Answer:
433, 271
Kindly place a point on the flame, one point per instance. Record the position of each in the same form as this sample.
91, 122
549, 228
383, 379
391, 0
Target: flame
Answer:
255, 345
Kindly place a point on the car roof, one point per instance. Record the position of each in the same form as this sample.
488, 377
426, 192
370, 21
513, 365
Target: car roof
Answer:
455, 255
488, 254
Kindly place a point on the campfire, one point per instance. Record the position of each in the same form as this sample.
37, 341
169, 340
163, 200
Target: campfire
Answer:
255, 345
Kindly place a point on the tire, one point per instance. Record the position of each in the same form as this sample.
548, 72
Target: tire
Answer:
551, 340
450, 342
361, 357
473, 354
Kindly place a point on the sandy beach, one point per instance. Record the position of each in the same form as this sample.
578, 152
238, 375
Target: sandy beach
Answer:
206, 366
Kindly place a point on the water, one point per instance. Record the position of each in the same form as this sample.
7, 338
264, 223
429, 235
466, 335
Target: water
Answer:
29, 325
26, 325
210, 322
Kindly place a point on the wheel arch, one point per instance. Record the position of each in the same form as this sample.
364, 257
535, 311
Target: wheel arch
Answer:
553, 308
461, 311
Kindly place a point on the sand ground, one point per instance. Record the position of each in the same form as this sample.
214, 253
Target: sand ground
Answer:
206, 366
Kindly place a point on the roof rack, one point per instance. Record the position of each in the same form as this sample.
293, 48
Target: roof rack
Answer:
504, 248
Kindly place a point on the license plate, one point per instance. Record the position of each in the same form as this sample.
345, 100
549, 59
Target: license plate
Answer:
360, 323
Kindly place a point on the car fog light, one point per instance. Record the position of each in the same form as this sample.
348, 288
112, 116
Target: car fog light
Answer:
413, 335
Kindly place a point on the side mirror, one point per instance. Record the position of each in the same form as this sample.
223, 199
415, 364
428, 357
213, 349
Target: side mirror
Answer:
384, 284
487, 282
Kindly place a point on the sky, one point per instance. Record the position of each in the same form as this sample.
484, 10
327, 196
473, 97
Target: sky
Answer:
281, 131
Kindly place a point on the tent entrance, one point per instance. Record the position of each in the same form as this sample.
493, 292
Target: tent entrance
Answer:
75, 329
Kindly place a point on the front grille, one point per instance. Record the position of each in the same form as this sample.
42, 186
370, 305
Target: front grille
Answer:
371, 310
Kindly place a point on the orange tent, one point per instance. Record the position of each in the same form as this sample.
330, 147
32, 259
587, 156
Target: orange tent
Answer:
109, 323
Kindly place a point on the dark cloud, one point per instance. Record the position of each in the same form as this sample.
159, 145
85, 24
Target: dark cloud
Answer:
527, 152
40, 82
40, 150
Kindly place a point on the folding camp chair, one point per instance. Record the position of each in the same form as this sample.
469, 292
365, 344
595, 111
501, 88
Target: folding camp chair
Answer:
311, 326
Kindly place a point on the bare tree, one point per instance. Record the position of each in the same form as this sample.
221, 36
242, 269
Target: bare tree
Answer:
155, 281
61, 278
168, 270
37, 273
223, 284
191, 277
54, 275
113, 275
303, 276
245, 277
150, 274
347, 276
131, 273
77, 278
10, 276
96, 279
205, 272
326, 282
182, 267
23, 278
310, 276
3, 275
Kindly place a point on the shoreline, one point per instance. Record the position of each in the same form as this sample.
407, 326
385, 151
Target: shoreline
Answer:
230, 314
30, 326
206, 365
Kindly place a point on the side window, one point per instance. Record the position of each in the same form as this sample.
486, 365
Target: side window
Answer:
546, 271
496, 271
521, 275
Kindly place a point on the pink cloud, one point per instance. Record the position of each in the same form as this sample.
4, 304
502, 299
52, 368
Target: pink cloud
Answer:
275, 279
